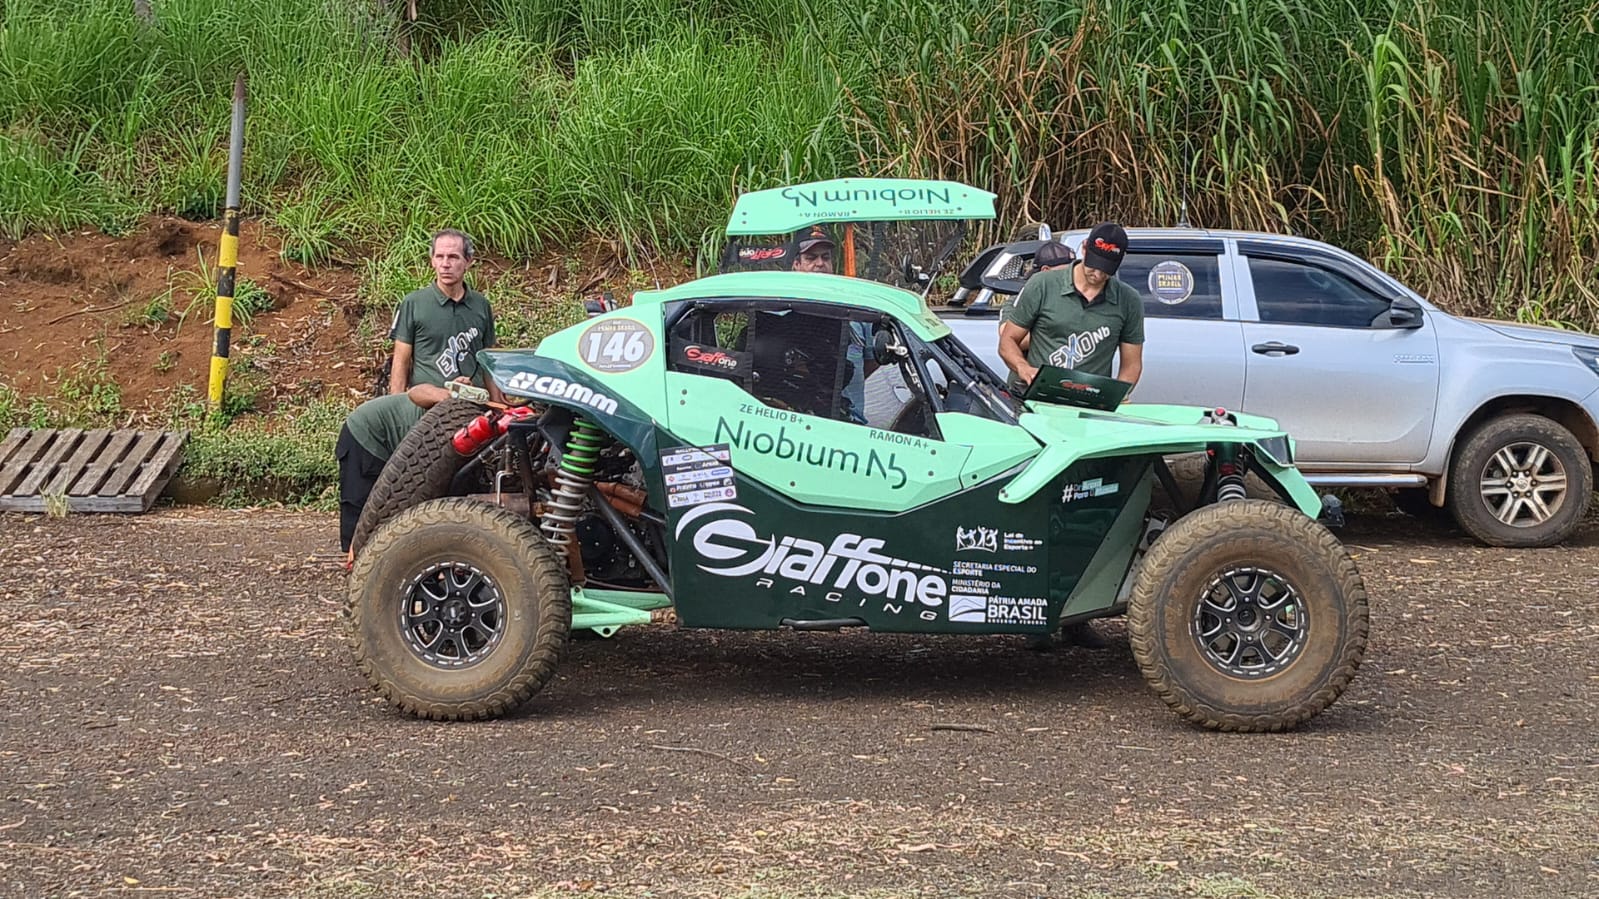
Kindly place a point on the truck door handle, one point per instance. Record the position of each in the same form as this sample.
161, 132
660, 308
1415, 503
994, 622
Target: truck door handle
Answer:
1275, 348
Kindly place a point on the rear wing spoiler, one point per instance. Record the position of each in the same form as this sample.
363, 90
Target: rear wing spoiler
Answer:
781, 210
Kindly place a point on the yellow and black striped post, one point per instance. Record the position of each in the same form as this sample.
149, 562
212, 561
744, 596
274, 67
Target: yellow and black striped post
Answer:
228, 254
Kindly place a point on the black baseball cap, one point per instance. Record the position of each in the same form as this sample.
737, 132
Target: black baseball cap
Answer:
1106, 247
1052, 253
813, 237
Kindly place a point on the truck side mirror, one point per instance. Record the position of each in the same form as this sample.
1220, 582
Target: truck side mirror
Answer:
1405, 313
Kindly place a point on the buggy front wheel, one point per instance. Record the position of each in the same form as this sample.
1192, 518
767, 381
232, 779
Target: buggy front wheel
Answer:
1248, 616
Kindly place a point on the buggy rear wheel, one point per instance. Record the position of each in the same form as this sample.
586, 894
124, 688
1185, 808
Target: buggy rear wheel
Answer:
458, 609
1248, 616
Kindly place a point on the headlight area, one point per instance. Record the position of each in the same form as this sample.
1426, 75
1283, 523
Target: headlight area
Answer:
1588, 356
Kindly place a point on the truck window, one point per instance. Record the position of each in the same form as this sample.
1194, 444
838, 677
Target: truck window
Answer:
1294, 293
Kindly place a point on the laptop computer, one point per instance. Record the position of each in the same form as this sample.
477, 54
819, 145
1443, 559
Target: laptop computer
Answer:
1076, 388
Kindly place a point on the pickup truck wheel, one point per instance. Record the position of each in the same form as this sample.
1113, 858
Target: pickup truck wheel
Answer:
1520, 480
423, 467
458, 609
1248, 616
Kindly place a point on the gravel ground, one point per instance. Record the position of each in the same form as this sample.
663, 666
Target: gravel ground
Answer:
179, 715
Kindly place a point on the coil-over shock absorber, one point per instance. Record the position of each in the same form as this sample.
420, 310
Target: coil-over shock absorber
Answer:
1230, 486
1230, 471
572, 480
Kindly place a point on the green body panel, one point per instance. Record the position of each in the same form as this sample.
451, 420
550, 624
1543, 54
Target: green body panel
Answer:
553, 382
966, 563
1070, 434
1287, 479
1100, 586
814, 460
996, 447
784, 209
900, 304
548, 374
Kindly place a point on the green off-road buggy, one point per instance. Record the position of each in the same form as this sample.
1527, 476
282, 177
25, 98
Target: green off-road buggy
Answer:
770, 449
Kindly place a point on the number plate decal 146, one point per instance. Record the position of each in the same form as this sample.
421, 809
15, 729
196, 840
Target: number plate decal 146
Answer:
615, 345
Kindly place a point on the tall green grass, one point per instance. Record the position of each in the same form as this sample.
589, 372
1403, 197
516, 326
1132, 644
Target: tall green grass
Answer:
1453, 141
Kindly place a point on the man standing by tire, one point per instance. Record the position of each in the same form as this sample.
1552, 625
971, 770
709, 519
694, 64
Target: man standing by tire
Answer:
369, 437
438, 330
1076, 316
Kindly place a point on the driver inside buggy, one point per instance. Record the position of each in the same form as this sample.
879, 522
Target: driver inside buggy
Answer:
822, 361
813, 252
805, 358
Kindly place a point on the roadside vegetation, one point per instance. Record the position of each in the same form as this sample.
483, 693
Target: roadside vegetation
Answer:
1453, 142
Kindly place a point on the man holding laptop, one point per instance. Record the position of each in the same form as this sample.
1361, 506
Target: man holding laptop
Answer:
1075, 316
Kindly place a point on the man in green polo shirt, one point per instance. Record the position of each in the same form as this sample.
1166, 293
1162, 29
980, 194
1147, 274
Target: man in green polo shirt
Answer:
1077, 316
438, 330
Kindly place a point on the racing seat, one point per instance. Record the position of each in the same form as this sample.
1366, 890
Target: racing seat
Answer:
797, 361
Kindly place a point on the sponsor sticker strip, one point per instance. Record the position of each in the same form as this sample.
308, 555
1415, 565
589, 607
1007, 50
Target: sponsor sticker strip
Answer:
992, 540
698, 474
1095, 487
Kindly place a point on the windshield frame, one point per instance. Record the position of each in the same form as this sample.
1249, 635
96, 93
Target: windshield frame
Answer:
984, 386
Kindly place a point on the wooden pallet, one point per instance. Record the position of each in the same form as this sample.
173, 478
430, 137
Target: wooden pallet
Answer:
94, 471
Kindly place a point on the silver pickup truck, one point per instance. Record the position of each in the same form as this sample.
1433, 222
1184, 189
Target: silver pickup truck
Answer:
1493, 421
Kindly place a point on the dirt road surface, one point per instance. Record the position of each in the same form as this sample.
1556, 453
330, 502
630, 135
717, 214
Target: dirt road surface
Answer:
179, 715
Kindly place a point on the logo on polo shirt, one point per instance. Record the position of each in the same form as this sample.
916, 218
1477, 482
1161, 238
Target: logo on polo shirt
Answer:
1078, 347
456, 349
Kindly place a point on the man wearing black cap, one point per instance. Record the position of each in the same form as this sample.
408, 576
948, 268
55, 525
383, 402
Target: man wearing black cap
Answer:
814, 251
1075, 316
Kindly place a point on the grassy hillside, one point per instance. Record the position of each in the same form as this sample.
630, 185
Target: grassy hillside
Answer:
1452, 141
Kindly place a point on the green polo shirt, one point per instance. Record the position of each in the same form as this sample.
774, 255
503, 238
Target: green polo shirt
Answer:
445, 334
380, 424
1069, 331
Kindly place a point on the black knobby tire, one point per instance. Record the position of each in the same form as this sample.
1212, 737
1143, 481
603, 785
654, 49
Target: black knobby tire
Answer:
423, 467
397, 622
1482, 493
1239, 543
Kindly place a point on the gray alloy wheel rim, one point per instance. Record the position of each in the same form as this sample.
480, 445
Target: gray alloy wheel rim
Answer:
1250, 622
452, 615
1523, 484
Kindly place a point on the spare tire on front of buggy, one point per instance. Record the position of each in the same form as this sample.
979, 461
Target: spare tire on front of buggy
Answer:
423, 467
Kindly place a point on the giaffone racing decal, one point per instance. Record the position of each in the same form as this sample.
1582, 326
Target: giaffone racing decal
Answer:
850, 570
